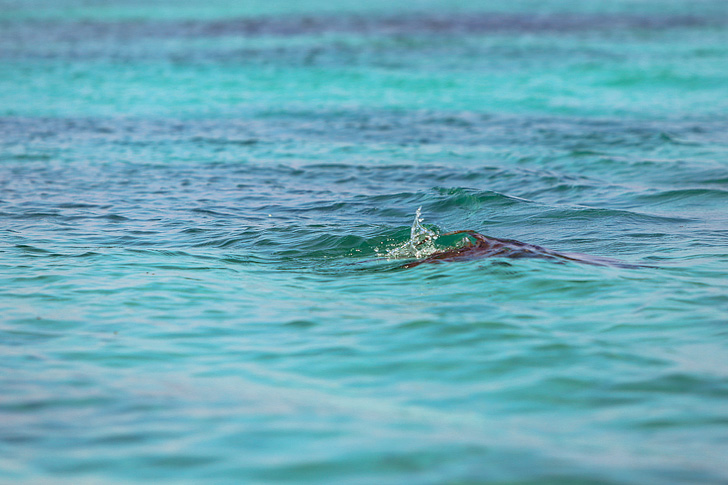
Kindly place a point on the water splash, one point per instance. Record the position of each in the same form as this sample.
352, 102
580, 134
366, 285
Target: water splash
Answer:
420, 244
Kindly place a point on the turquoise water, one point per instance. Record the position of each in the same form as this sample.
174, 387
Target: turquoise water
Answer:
197, 202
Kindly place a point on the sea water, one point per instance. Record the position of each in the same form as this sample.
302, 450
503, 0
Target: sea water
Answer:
201, 206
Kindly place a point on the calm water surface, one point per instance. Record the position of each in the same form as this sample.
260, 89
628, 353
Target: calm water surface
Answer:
195, 201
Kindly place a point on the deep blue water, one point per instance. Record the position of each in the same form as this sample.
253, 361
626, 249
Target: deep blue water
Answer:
198, 201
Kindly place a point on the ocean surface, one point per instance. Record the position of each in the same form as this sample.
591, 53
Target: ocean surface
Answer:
205, 207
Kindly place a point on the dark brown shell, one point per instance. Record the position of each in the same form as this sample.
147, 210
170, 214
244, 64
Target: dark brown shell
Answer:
492, 247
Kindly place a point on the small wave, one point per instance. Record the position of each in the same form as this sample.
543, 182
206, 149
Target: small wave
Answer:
697, 196
113, 217
474, 199
81, 205
593, 214
28, 249
225, 141
221, 243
